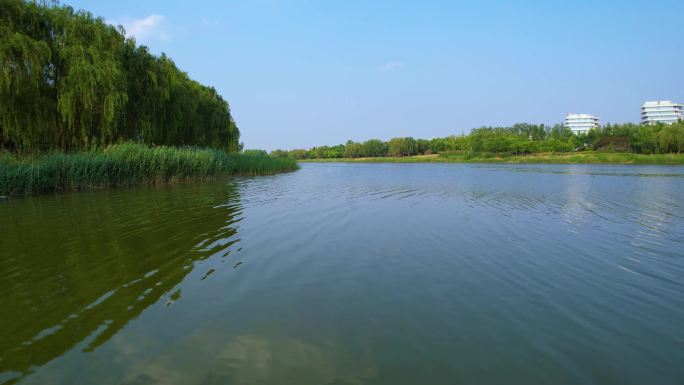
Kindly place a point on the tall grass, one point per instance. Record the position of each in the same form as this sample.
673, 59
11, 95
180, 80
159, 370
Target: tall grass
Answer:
127, 164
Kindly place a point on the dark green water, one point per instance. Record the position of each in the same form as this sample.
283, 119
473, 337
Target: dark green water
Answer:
352, 274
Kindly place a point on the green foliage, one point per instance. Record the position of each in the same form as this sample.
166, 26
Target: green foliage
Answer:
70, 81
582, 157
375, 147
127, 164
279, 154
298, 154
353, 150
402, 147
671, 138
639, 139
520, 139
562, 158
255, 152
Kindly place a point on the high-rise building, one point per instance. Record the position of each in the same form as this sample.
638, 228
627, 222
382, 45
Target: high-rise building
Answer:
581, 123
661, 111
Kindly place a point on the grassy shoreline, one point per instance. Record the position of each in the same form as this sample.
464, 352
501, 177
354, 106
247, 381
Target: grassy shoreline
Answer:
127, 164
586, 157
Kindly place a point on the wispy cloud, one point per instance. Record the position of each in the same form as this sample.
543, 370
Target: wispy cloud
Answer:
151, 28
389, 66
210, 22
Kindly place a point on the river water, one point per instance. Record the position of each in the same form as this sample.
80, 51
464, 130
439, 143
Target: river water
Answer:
351, 274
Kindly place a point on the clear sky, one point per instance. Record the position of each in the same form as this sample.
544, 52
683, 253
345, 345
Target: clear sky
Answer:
302, 73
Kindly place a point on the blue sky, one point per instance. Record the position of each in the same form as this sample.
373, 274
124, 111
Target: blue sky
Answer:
304, 73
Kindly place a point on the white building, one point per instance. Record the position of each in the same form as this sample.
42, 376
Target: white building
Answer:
662, 111
581, 123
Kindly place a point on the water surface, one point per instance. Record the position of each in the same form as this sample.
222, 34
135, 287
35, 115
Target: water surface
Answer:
351, 274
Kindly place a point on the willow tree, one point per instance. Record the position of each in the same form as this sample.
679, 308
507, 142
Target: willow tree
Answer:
26, 78
671, 138
68, 80
147, 92
91, 92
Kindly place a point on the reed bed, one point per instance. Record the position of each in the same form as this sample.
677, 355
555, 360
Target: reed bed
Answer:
127, 164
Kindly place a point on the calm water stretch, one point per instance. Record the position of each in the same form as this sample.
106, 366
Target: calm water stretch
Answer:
352, 274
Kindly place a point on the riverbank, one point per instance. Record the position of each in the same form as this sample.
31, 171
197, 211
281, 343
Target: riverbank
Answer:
127, 164
586, 157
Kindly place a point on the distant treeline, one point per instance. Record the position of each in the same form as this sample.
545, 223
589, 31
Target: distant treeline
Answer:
70, 81
519, 139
